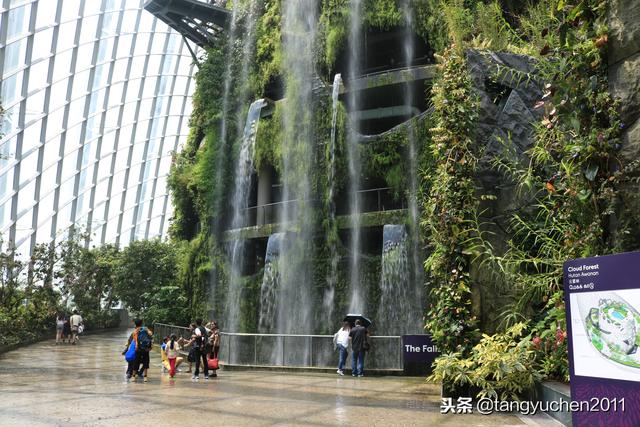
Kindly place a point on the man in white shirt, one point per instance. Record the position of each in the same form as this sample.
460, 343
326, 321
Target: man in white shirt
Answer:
75, 321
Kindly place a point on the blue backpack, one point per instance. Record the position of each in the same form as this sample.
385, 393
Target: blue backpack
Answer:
144, 340
130, 355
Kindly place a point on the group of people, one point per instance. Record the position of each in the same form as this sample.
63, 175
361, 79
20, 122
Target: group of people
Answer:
68, 327
203, 345
358, 337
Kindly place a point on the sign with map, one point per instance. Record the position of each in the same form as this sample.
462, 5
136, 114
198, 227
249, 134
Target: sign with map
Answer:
602, 296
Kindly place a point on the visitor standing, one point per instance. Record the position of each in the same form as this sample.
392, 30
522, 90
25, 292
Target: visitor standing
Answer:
172, 350
143, 339
131, 363
214, 339
75, 321
60, 321
199, 340
358, 335
66, 331
342, 344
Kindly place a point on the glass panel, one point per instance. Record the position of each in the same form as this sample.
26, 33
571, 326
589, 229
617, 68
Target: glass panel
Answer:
43, 233
58, 95
105, 49
142, 44
46, 14
154, 227
48, 182
14, 54
124, 45
80, 82
108, 141
30, 141
35, 104
115, 94
62, 65
85, 55
89, 25
5, 212
11, 88
9, 120
18, 22
109, 23
70, 9
51, 151
72, 140
66, 33
137, 66
42, 43
26, 201
6, 181
38, 75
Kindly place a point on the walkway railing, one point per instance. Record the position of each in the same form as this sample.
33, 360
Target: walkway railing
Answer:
293, 350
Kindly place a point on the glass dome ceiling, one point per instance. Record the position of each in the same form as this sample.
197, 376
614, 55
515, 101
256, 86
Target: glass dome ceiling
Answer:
97, 95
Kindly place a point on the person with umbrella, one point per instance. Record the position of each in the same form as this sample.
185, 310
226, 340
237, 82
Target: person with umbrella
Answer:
359, 344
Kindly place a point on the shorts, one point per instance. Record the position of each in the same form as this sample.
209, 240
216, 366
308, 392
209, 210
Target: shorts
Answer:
142, 357
74, 329
59, 327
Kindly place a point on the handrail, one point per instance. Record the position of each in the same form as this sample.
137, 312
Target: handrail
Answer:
292, 350
249, 334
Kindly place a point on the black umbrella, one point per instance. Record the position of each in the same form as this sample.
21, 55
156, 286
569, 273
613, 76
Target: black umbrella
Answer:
351, 318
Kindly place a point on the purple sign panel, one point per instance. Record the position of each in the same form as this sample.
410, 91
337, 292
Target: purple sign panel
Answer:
602, 296
419, 349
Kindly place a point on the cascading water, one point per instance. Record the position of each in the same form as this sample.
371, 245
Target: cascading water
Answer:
243, 170
294, 302
222, 157
399, 310
357, 302
332, 277
417, 269
239, 203
270, 282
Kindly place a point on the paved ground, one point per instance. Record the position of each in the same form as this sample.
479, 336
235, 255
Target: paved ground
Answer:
82, 385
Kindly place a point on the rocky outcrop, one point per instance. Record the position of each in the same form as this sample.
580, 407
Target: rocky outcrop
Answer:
624, 84
624, 29
508, 88
624, 63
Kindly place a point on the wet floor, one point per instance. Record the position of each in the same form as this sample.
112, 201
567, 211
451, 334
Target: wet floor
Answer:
44, 385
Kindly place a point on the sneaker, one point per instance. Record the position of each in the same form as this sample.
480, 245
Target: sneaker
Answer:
206, 377
341, 373
128, 377
195, 377
145, 379
353, 375
360, 376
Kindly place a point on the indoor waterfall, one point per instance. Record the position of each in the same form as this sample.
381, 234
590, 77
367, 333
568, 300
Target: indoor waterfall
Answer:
239, 204
357, 300
332, 277
294, 302
414, 230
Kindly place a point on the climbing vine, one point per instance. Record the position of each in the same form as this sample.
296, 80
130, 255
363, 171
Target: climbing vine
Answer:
451, 204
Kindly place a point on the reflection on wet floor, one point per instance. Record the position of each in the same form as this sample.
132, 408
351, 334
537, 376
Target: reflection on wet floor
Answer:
45, 385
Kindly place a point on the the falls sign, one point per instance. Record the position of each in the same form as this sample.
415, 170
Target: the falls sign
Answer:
419, 350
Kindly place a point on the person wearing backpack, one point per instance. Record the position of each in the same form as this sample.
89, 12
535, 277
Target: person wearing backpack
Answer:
143, 339
199, 340
76, 321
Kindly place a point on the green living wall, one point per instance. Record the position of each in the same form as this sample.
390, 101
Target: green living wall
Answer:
568, 178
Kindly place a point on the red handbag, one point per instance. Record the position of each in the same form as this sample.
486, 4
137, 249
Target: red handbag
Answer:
212, 363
